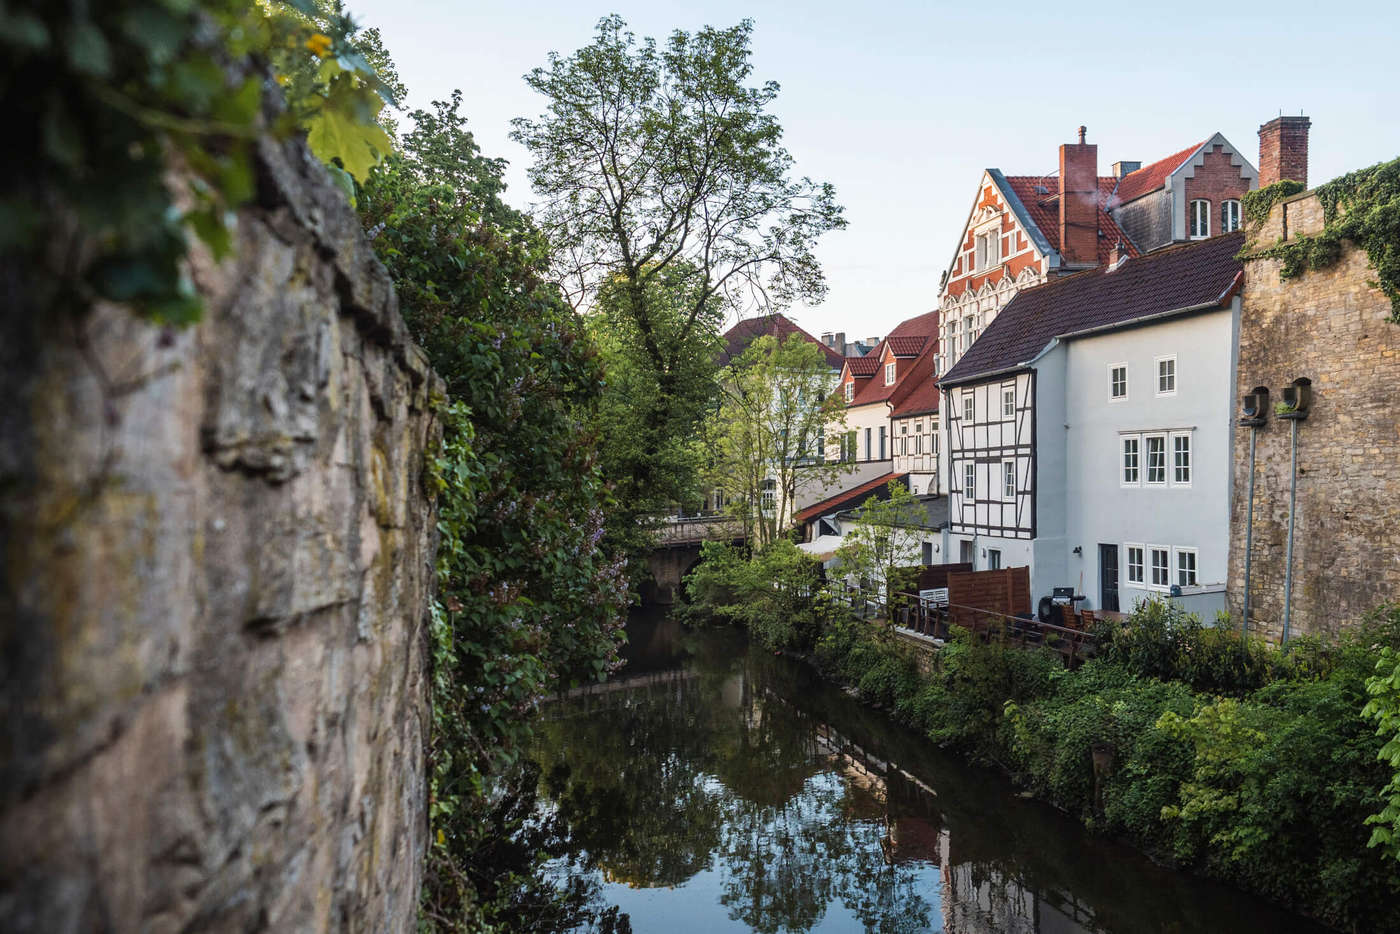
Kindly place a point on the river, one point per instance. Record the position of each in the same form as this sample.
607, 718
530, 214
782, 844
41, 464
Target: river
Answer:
712, 786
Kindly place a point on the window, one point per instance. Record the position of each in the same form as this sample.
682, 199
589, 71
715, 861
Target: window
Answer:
993, 559
968, 334
850, 390
770, 495
1117, 382
968, 408
1008, 479
1156, 459
969, 481
890, 369
1166, 376
1134, 564
848, 452
904, 439
1131, 460
1200, 219
953, 338
988, 249
1229, 216
1181, 459
1161, 576
869, 451
1008, 403
882, 442
918, 437
1185, 566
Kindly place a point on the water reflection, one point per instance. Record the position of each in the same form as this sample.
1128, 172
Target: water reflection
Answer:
713, 786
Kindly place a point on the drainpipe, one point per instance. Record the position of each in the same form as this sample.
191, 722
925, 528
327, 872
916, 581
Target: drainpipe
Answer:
1249, 532
1292, 516
1254, 409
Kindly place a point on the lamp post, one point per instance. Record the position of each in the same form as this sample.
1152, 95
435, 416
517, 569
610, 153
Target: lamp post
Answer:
1297, 397
1254, 409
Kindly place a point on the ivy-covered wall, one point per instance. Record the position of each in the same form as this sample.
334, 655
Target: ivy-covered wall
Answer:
217, 560
1332, 323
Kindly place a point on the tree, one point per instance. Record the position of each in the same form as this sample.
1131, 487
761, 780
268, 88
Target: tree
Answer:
669, 193
528, 602
777, 401
883, 549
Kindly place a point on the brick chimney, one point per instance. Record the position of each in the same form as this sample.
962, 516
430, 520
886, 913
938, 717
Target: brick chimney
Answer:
1079, 203
1283, 150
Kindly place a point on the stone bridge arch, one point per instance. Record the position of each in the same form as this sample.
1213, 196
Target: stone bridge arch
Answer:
678, 551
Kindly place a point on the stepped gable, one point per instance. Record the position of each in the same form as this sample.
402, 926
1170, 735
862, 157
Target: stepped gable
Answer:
1195, 274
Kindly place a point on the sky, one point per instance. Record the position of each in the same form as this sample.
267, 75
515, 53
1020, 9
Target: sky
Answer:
901, 105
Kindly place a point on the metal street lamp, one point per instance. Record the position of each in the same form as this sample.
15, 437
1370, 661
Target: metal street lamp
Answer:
1254, 414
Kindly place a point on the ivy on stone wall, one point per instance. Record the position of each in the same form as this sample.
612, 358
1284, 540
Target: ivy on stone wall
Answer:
1257, 204
1361, 206
107, 97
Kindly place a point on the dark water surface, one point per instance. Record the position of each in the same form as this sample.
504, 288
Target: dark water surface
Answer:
714, 787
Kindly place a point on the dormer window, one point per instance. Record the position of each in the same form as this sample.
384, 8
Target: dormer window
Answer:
1200, 220
1229, 216
890, 373
850, 390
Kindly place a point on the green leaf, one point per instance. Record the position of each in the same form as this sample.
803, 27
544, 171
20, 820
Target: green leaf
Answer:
88, 51
343, 181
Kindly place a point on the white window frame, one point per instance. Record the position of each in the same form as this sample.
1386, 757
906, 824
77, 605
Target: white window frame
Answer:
1175, 464
890, 370
1198, 210
1229, 216
1008, 402
1008, 481
969, 333
1157, 368
1147, 439
1152, 552
768, 501
1129, 564
970, 481
1176, 569
993, 559
1136, 467
850, 391
1112, 383
969, 407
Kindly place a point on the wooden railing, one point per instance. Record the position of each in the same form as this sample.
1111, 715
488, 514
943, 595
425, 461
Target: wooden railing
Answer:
990, 626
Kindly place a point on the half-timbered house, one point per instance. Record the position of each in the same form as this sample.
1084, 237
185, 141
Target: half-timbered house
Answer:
1089, 430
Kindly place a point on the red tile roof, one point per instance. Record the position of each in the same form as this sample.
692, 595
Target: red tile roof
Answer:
1193, 274
907, 345
919, 332
848, 498
864, 366
1041, 194
917, 393
924, 325
1151, 177
738, 338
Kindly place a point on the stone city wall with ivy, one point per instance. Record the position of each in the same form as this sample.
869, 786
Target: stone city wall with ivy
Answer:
1333, 324
217, 561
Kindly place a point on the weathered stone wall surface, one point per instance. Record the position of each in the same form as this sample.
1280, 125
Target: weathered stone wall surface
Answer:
1332, 327
217, 559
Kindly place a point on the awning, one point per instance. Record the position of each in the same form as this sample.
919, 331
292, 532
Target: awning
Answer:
823, 547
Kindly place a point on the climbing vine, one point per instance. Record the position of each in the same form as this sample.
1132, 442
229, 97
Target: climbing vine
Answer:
109, 96
1361, 206
1257, 204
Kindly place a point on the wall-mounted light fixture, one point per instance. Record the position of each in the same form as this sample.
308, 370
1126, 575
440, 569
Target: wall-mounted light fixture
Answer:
1078, 550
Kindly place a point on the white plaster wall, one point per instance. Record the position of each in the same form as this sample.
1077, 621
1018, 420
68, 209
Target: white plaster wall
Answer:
1098, 509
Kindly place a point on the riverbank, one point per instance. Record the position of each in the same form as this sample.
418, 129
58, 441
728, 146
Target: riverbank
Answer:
1238, 765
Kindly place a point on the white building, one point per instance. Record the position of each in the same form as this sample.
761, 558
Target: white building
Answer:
1089, 431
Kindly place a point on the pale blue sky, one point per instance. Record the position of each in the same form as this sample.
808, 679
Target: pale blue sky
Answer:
901, 105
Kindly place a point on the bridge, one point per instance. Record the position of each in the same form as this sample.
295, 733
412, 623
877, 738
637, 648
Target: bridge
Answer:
677, 551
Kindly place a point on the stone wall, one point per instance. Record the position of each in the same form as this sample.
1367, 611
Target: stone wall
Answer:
1331, 327
217, 556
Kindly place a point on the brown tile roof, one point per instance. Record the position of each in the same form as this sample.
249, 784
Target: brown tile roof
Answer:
738, 338
1168, 280
1151, 177
917, 393
848, 498
1041, 194
864, 366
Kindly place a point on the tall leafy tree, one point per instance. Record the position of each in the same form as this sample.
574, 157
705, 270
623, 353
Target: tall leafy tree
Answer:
666, 186
777, 401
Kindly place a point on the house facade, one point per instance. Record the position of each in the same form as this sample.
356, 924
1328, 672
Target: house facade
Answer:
1190, 195
1089, 431
871, 385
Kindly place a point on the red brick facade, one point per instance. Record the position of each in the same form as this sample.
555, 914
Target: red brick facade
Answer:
1216, 181
1283, 150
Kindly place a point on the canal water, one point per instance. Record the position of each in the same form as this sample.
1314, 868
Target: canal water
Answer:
712, 786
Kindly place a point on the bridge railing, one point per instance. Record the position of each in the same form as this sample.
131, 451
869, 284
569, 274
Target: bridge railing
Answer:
677, 530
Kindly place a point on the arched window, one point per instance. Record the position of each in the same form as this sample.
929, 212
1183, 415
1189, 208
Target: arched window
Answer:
1229, 216
1200, 219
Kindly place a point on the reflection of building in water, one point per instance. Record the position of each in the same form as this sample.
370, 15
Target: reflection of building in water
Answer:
980, 899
